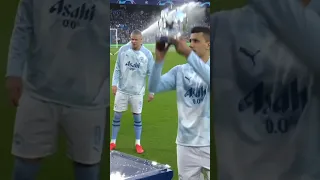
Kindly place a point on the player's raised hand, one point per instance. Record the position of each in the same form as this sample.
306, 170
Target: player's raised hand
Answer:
150, 97
14, 87
114, 90
161, 51
181, 46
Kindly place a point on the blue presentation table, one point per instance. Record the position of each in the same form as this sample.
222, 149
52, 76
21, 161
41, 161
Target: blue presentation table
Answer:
130, 167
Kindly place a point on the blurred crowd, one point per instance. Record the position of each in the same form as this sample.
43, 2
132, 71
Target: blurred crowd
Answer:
126, 18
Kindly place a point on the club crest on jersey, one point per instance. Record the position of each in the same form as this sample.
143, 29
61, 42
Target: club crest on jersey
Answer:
73, 15
196, 94
132, 66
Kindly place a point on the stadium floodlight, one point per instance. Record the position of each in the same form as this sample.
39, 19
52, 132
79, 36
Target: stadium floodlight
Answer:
126, 2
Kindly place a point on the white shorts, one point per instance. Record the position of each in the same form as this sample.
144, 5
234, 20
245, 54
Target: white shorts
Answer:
122, 101
193, 162
37, 126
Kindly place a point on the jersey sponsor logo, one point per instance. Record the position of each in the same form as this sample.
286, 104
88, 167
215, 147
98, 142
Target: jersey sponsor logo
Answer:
280, 112
73, 15
196, 94
132, 66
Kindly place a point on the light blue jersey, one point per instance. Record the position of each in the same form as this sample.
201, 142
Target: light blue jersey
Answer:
131, 69
192, 83
266, 92
63, 47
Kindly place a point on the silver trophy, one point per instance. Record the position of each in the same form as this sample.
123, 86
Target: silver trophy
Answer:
172, 24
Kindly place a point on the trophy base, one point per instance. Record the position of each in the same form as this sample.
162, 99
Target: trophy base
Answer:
162, 41
160, 46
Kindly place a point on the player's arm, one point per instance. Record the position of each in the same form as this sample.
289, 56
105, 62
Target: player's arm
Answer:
20, 39
116, 71
201, 68
166, 82
150, 66
297, 26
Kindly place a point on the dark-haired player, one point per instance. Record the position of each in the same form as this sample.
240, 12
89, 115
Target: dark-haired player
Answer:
192, 84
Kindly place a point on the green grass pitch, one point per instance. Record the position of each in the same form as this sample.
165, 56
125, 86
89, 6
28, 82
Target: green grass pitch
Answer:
159, 116
159, 119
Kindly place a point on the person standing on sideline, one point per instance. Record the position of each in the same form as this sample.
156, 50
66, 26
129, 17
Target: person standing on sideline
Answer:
134, 64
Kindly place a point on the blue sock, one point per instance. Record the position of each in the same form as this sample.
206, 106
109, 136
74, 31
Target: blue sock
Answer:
25, 170
137, 125
115, 125
86, 172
